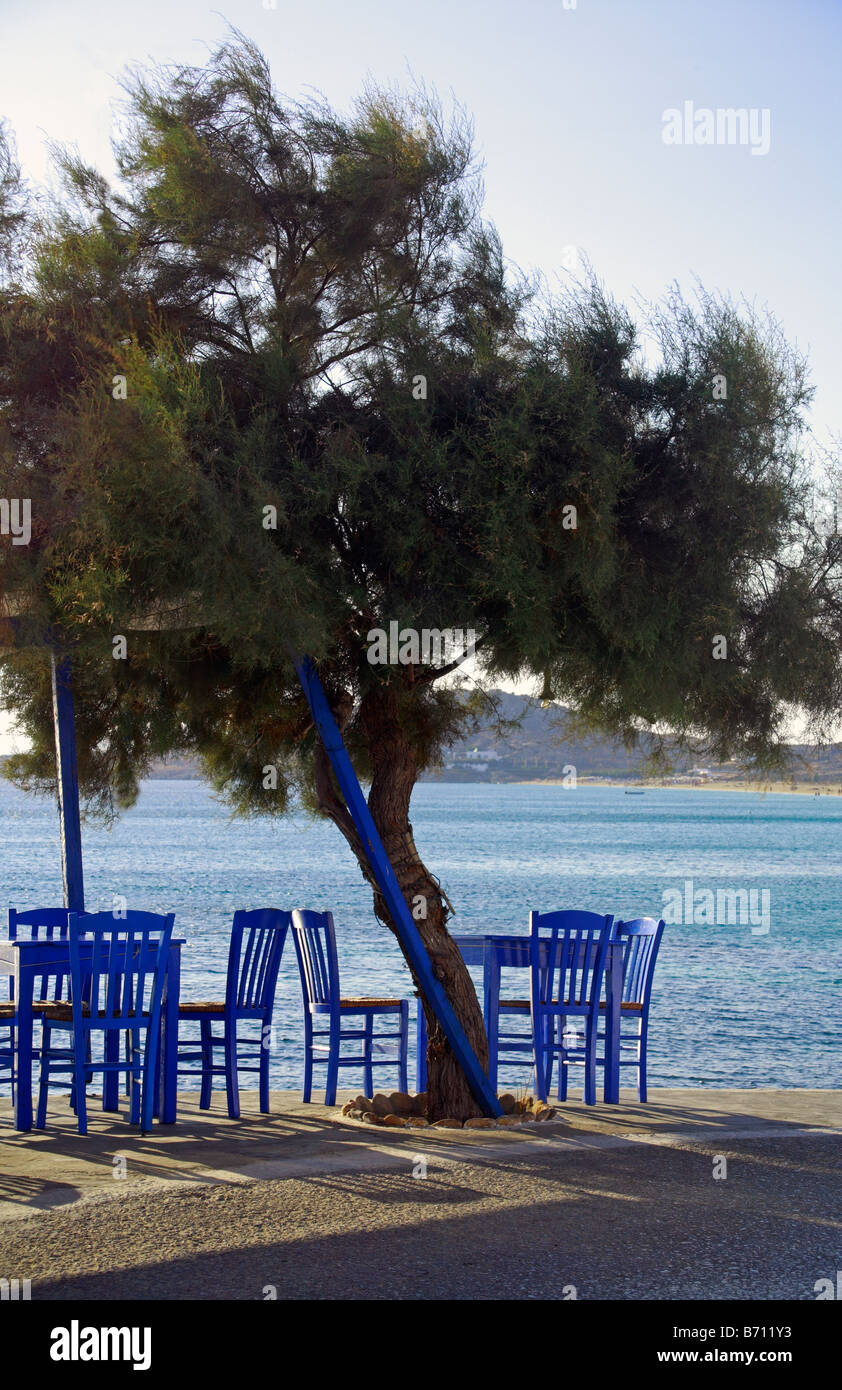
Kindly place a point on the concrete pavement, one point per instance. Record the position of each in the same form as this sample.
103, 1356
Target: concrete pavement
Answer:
699, 1194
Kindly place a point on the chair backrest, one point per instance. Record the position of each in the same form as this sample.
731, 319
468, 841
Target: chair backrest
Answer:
43, 924
254, 958
117, 966
641, 939
48, 923
315, 947
568, 951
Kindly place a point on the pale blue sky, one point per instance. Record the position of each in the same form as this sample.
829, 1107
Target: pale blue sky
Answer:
568, 106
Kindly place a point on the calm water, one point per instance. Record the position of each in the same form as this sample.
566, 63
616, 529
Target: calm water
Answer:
731, 1008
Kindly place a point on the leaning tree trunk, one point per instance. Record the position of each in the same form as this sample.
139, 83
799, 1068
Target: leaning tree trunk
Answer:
394, 773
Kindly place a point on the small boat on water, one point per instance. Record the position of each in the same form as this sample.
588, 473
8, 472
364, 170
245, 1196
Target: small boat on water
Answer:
634, 791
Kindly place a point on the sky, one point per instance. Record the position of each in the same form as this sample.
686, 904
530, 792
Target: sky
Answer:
568, 101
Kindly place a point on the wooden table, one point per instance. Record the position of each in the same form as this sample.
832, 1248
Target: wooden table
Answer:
477, 951
28, 961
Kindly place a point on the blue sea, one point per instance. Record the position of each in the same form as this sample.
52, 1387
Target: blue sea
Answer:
734, 1005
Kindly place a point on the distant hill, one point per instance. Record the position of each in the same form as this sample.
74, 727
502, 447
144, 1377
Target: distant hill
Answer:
534, 751
538, 750
176, 769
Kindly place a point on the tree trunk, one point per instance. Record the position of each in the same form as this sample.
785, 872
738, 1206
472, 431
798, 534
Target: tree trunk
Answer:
394, 773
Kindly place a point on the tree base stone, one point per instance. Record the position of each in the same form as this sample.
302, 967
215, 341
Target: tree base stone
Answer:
403, 1111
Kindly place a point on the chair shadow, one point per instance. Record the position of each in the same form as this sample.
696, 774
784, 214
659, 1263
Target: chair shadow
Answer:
184, 1151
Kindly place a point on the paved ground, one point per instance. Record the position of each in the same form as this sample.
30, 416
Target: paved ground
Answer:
612, 1202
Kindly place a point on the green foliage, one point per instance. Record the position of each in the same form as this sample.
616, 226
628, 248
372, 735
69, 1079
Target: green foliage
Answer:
270, 278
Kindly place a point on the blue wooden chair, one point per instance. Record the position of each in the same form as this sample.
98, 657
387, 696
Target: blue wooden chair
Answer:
641, 940
568, 955
43, 924
254, 958
117, 972
39, 923
315, 947
50, 924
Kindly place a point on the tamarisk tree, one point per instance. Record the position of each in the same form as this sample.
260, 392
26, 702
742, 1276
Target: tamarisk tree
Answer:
275, 389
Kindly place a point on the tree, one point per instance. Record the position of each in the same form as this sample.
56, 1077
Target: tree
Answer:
278, 389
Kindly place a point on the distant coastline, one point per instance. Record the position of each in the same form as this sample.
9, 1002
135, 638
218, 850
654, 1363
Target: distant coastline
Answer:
733, 785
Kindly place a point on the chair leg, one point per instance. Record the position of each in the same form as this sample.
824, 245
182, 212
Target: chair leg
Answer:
12, 1056
551, 1054
308, 1059
492, 1028
207, 1063
111, 1080
590, 1063
231, 1081
89, 1076
44, 1077
155, 1077
563, 1064
133, 1040
265, 1036
542, 1052
149, 1076
420, 1049
403, 1081
368, 1049
333, 1064
641, 1063
80, 1073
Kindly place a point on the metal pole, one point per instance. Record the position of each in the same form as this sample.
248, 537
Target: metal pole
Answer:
68, 784
381, 867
